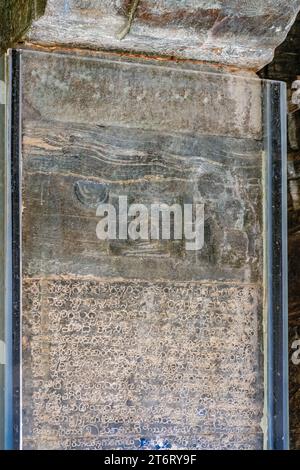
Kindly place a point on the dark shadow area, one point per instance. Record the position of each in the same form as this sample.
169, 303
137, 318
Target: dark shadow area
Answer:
16, 17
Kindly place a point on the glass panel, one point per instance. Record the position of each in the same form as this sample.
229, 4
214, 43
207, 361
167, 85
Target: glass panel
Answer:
145, 228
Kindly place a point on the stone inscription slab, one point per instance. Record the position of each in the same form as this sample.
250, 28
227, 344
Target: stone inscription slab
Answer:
102, 366
140, 344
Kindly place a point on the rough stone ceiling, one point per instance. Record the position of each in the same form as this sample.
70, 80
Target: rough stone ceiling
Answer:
232, 32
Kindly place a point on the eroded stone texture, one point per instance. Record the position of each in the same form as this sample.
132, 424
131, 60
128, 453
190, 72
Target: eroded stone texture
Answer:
234, 32
123, 365
140, 344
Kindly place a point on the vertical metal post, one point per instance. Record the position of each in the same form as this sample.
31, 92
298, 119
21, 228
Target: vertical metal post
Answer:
276, 266
2, 252
9, 252
14, 243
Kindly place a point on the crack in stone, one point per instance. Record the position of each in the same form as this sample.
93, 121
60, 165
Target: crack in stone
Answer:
132, 10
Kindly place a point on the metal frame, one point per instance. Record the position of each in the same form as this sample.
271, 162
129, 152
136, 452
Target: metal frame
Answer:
12, 251
277, 393
274, 96
2, 244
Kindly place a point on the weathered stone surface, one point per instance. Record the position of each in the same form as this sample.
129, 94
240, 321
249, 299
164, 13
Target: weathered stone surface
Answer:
16, 17
129, 344
123, 365
132, 146
179, 104
233, 32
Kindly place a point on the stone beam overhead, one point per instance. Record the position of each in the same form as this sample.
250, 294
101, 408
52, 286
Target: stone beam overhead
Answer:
242, 33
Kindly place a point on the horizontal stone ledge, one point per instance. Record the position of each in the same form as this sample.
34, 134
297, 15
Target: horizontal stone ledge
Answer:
236, 32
